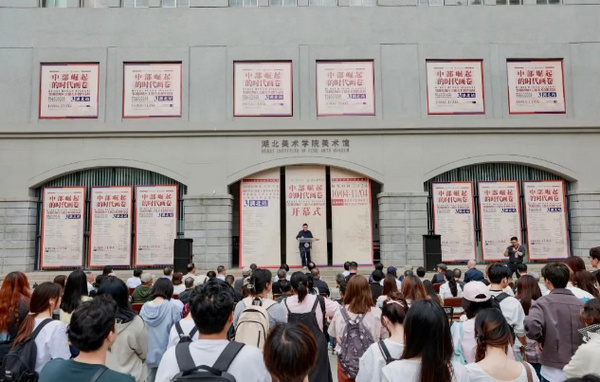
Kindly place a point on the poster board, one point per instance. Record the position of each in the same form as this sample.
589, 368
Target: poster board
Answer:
305, 189
536, 86
499, 216
262, 89
69, 90
455, 87
156, 224
63, 212
351, 215
110, 226
545, 210
454, 220
152, 90
260, 219
345, 88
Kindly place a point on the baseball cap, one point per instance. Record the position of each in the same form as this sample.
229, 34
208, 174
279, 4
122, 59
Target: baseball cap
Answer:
246, 271
476, 291
391, 270
146, 277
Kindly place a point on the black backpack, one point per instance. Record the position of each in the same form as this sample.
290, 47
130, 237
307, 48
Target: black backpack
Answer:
183, 338
385, 353
189, 372
19, 364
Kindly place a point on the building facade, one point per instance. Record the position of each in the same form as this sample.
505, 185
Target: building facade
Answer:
207, 151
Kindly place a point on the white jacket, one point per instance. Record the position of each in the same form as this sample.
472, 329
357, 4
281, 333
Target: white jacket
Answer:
585, 359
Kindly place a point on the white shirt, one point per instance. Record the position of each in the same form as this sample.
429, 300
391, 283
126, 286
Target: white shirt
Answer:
371, 363
477, 374
408, 370
248, 365
552, 374
178, 288
514, 314
133, 282
221, 277
445, 291
52, 342
186, 326
346, 273
398, 284
90, 287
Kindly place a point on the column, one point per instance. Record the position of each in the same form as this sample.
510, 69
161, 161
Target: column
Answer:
585, 222
18, 218
208, 220
402, 224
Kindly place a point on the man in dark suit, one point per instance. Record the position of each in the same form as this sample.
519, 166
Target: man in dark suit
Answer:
438, 278
318, 283
473, 274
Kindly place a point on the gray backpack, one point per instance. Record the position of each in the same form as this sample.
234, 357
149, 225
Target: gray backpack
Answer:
354, 342
189, 372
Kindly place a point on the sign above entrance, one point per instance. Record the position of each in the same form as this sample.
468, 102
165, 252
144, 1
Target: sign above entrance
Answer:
305, 145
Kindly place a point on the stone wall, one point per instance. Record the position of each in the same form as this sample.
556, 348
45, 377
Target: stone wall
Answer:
18, 219
585, 222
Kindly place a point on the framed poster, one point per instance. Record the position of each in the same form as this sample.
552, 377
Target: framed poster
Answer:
345, 88
260, 219
455, 87
156, 224
152, 90
536, 86
454, 220
545, 208
352, 222
262, 89
110, 226
61, 243
499, 216
306, 202
69, 90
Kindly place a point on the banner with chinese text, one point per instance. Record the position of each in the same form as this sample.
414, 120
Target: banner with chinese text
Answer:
500, 217
260, 219
454, 220
151, 90
262, 89
69, 90
62, 227
305, 200
455, 87
156, 224
110, 226
545, 207
345, 88
536, 87
352, 231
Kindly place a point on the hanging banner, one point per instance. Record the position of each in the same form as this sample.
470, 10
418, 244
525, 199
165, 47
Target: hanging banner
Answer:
500, 217
262, 89
260, 219
454, 220
305, 190
345, 88
536, 86
69, 90
110, 226
62, 227
156, 224
352, 231
151, 90
545, 207
455, 87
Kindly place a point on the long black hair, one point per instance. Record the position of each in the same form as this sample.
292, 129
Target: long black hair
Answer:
259, 280
427, 335
75, 289
299, 283
451, 282
116, 288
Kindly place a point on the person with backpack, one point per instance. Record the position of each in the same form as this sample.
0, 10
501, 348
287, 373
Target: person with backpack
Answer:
494, 337
159, 315
184, 330
312, 311
291, 353
427, 348
255, 314
40, 338
127, 354
92, 330
355, 326
212, 354
384, 352
14, 306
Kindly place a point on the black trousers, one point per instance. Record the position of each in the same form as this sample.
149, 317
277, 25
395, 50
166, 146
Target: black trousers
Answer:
513, 269
305, 256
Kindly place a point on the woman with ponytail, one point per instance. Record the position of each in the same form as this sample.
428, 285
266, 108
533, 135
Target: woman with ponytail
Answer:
311, 310
494, 338
52, 341
450, 288
259, 288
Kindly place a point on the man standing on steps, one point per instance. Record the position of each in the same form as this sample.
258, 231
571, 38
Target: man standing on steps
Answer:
305, 247
515, 253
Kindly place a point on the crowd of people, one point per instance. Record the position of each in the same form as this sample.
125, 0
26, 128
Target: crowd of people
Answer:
382, 326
